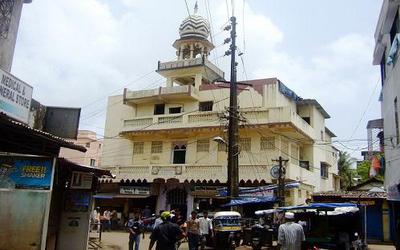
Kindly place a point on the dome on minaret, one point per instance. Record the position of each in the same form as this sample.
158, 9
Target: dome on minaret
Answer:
194, 26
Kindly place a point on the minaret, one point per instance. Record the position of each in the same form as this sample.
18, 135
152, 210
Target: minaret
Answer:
10, 13
192, 66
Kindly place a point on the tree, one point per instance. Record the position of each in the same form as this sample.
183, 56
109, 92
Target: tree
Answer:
345, 162
363, 170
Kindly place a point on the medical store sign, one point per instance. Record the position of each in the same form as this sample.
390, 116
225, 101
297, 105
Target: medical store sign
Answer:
15, 97
25, 172
134, 190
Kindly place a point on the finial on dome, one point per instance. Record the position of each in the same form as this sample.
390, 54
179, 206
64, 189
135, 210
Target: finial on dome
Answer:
196, 8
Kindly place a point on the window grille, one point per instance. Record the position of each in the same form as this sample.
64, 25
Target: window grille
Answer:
245, 144
203, 145
138, 148
267, 143
156, 147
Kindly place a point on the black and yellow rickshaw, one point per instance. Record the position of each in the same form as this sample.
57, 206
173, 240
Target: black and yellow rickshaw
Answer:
227, 229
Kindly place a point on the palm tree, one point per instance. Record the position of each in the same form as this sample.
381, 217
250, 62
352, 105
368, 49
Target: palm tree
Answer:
345, 171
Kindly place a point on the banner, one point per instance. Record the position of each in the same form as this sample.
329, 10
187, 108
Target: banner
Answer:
263, 191
134, 190
18, 172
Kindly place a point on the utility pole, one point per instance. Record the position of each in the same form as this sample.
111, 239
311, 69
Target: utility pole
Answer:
233, 136
281, 181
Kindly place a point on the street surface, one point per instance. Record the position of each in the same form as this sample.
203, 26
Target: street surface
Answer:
119, 241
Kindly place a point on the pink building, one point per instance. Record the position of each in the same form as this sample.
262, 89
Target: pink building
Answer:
93, 145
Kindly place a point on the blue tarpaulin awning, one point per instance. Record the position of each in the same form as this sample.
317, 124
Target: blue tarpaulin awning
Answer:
249, 200
321, 206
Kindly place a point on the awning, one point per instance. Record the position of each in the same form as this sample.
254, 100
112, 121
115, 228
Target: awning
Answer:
98, 172
119, 196
19, 138
258, 191
249, 201
320, 206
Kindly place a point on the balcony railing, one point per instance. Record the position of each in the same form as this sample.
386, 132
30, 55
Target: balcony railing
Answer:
190, 63
164, 92
212, 118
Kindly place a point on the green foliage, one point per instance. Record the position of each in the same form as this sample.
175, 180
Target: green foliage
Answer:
346, 173
363, 170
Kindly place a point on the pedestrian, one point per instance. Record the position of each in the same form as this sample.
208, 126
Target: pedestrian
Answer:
167, 234
193, 231
205, 229
290, 234
135, 228
107, 220
158, 221
114, 220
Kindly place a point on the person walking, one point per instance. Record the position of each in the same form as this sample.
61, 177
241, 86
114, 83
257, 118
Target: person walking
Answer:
107, 220
290, 234
135, 228
205, 229
193, 231
158, 221
166, 235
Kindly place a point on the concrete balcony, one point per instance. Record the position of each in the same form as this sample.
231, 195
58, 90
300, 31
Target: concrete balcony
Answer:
279, 117
181, 93
198, 65
188, 172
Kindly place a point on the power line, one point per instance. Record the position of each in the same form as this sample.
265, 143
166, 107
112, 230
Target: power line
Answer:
187, 7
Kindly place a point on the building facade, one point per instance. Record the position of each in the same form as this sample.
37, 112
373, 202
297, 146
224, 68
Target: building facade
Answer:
93, 145
386, 52
170, 142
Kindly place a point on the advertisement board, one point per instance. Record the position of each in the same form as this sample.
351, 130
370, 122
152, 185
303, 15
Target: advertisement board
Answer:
17, 172
15, 97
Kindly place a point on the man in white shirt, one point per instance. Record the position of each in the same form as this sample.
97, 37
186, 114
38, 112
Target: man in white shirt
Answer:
290, 234
205, 228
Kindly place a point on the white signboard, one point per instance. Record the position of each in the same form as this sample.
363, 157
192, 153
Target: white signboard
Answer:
134, 190
15, 97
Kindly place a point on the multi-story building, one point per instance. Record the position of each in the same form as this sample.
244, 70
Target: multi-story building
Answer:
166, 145
387, 41
91, 157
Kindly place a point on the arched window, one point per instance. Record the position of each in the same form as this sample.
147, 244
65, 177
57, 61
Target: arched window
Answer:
179, 153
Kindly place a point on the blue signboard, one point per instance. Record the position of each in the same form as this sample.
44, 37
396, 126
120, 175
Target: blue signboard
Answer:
25, 172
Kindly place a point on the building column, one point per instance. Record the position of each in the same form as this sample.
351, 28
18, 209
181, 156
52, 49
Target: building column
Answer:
181, 52
169, 82
191, 51
197, 80
190, 201
161, 199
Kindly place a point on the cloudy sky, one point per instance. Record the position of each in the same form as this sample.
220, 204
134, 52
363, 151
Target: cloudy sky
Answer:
76, 53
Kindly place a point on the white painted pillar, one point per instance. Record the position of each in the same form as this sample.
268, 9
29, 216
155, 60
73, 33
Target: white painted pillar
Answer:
161, 199
170, 82
189, 201
191, 51
197, 80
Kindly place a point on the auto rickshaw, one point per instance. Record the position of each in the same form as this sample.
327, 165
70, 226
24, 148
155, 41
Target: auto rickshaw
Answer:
227, 229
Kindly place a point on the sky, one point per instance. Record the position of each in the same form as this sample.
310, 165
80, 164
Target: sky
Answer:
77, 53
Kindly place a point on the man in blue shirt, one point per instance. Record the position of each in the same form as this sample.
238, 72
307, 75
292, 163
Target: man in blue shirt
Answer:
135, 228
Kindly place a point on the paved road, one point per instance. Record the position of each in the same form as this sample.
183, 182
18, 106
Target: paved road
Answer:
119, 241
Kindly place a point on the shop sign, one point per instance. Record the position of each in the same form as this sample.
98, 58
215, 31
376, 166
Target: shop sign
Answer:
25, 172
81, 180
134, 190
15, 97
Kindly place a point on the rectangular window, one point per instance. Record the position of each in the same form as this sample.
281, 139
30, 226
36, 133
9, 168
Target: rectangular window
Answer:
383, 68
179, 153
285, 147
222, 147
138, 148
92, 162
245, 144
305, 164
396, 120
156, 147
324, 170
395, 28
267, 143
159, 109
203, 145
307, 119
206, 106
175, 110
